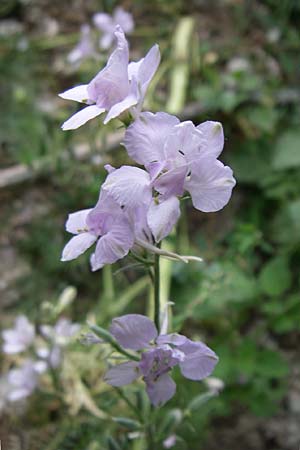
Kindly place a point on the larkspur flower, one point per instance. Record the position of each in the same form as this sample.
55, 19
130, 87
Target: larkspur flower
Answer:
85, 47
182, 157
108, 225
119, 86
161, 353
125, 216
23, 381
107, 25
20, 337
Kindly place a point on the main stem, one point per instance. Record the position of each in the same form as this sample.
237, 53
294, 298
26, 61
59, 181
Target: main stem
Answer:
157, 292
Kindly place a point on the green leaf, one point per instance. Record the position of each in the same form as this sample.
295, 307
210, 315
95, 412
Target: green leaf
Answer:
287, 150
275, 277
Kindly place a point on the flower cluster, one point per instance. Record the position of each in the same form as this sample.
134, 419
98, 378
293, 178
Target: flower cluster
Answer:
23, 380
137, 205
161, 353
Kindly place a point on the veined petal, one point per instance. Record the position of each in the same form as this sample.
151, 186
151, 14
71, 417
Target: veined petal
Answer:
133, 331
210, 184
212, 136
145, 138
81, 117
77, 245
129, 186
122, 374
114, 245
117, 109
171, 183
77, 93
160, 390
172, 338
162, 217
111, 84
199, 362
76, 222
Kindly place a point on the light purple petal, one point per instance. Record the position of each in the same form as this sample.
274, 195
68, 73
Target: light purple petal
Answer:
124, 19
133, 331
171, 183
162, 217
76, 222
161, 390
106, 40
114, 245
184, 141
199, 361
77, 245
129, 186
117, 109
145, 71
103, 21
77, 93
172, 338
122, 374
81, 117
212, 137
111, 84
145, 138
210, 184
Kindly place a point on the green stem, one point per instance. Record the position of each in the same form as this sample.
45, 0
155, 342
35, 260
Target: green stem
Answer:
157, 291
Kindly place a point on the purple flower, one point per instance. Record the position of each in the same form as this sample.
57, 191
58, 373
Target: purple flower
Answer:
119, 86
136, 332
23, 381
85, 47
20, 337
108, 225
181, 157
107, 25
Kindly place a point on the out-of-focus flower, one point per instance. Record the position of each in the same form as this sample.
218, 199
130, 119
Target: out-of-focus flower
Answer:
24, 380
119, 86
162, 353
20, 337
238, 64
170, 441
107, 25
84, 49
214, 384
181, 157
58, 336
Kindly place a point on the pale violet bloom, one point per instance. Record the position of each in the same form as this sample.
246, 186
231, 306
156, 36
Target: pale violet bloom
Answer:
84, 49
118, 87
170, 441
20, 337
23, 381
126, 215
108, 225
58, 337
161, 353
182, 157
107, 25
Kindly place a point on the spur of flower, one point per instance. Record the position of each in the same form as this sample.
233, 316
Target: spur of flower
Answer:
182, 157
119, 86
159, 354
107, 24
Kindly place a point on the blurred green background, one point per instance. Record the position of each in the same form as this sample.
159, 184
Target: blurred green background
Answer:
235, 61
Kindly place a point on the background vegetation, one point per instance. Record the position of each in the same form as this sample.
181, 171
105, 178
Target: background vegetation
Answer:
235, 61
